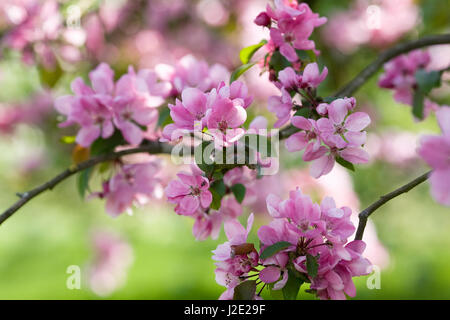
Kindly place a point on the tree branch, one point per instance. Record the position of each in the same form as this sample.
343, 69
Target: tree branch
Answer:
155, 147
387, 55
371, 69
364, 215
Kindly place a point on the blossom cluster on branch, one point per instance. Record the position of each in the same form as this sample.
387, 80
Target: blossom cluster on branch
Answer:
205, 107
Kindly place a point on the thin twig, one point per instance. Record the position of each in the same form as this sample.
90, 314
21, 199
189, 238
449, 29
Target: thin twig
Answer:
157, 147
364, 215
153, 147
387, 55
372, 69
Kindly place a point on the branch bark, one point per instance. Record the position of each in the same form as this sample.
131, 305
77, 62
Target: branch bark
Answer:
364, 215
154, 147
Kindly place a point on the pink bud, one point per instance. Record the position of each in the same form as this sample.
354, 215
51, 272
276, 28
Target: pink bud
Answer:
262, 20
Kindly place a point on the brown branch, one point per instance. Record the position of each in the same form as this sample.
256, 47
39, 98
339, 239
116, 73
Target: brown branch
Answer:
364, 215
387, 55
153, 147
157, 147
373, 68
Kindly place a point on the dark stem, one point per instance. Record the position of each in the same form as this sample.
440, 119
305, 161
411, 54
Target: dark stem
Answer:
154, 147
364, 215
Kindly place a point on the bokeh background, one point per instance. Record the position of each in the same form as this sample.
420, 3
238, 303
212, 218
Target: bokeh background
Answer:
158, 258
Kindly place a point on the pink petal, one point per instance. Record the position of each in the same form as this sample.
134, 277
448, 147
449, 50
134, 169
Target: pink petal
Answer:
205, 199
87, 135
270, 274
296, 142
301, 123
355, 155
357, 121
321, 166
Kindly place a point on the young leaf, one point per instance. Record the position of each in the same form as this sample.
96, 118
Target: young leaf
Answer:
83, 181
216, 199
102, 146
418, 104
164, 117
278, 62
219, 186
68, 139
292, 286
240, 71
239, 192
345, 163
427, 80
304, 112
247, 53
273, 249
311, 265
245, 290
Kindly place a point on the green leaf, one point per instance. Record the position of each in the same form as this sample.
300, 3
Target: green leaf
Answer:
207, 168
83, 181
304, 112
239, 192
245, 290
427, 80
274, 248
311, 265
278, 62
240, 71
292, 286
345, 163
418, 104
102, 146
219, 186
216, 199
68, 139
247, 53
49, 77
306, 55
164, 117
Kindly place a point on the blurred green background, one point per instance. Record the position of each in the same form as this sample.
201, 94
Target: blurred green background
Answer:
52, 232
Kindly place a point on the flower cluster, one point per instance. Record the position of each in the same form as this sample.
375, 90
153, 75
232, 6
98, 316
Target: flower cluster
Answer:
435, 150
221, 110
331, 131
291, 24
112, 259
189, 72
315, 245
128, 105
192, 194
376, 24
400, 76
132, 184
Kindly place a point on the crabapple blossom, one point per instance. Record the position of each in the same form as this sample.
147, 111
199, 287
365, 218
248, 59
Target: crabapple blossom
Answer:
189, 193
435, 150
295, 24
318, 231
400, 76
132, 184
129, 105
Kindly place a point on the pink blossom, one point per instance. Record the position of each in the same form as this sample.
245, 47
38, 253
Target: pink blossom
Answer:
281, 106
435, 150
308, 138
189, 193
311, 77
112, 258
319, 231
295, 24
133, 184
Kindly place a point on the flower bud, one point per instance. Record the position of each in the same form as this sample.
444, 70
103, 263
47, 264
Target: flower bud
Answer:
262, 20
